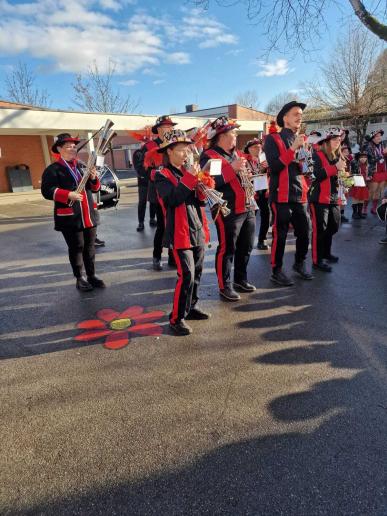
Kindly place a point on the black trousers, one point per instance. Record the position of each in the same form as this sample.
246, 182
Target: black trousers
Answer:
81, 250
236, 240
325, 223
264, 211
283, 215
142, 200
189, 271
159, 233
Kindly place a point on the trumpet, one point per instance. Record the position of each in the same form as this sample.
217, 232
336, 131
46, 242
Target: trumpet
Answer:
101, 149
246, 183
214, 199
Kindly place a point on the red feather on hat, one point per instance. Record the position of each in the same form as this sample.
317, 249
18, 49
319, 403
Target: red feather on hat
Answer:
142, 135
273, 127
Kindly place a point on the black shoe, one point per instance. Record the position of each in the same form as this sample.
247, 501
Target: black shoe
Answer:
229, 294
96, 282
300, 268
83, 285
195, 314
281, 279
262, 246
363, 215
383, 240
355, 216
153, 222
157, 264
99, 243
344, 219
322, 266
244, 285
180, 327
332, 259
140, 226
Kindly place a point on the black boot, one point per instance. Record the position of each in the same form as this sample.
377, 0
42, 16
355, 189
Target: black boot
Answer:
180, 328
360, 211
96, 282
83, 285
355, 212
281, 279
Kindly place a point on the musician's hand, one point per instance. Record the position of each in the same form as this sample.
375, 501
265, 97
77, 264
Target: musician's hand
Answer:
264, 164
238, 164
298, 142
194, 169
93, 173
340, 165
74, 196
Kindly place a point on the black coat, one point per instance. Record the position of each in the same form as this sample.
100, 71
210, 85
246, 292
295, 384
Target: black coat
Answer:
57, 182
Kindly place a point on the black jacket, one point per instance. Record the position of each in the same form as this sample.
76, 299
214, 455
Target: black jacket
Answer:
185, 219
325, 187
287, 183
228, 182
57, 183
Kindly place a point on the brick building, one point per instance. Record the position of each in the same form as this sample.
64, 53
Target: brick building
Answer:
27, 132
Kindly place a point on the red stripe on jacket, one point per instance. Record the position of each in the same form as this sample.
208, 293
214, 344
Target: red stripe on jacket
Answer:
231, 178
325, 185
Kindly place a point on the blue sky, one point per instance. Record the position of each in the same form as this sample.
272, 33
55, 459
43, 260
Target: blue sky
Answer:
167, 53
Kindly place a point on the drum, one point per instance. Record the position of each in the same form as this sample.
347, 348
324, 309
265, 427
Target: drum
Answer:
109, 194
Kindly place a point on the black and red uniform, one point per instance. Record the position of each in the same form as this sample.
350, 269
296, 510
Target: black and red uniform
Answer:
262, 200
186, 233
77, 222
376, 162
287, 196
236, 231
324, 206
153, 160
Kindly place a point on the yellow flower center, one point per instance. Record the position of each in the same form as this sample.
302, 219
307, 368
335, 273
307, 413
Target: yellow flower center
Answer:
120, 324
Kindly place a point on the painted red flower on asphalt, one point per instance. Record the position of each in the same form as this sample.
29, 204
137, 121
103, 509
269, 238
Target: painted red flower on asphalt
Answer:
118, 327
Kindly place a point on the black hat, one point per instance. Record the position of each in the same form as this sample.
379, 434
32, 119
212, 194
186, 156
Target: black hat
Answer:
61, 139
372, 135
287, 107
162, 120
221, 125
250, 143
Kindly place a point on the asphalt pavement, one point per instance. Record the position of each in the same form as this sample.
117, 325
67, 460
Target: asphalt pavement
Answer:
276, 406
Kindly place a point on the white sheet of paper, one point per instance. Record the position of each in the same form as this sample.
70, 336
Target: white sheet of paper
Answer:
100, 161
262, 157
215, 167
260, 183
358, 181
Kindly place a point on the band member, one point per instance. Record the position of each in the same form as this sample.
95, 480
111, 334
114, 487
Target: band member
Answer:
257, 160
152, 160
348, 158
324, 198
185, 228
377, 167
236, 231
383, 240
78, 222
360, 194
288, 192
143, 186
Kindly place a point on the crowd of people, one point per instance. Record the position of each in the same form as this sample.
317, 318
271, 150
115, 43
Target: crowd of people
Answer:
293, 181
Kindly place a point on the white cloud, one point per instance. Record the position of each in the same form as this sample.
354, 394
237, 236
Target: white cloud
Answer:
177, 58
69, 35
159, 81
129, 82
279, 67
209, 32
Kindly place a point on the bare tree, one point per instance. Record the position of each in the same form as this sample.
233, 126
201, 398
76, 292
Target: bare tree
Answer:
248, 98
95, 92
20, 87
276, 103
288, 24
353, 83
